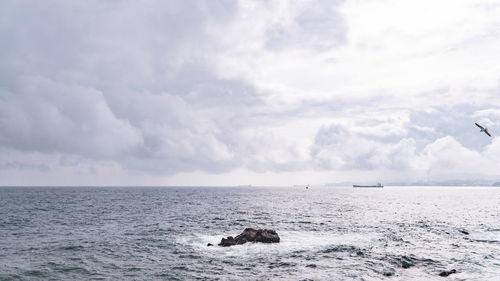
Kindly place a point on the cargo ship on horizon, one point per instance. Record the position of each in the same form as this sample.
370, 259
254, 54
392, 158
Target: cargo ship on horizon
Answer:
378, 185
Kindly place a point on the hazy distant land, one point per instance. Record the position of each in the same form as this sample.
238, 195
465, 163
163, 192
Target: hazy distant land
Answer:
428, 183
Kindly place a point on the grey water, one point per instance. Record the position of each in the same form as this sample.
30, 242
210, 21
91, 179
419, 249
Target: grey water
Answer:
327, 233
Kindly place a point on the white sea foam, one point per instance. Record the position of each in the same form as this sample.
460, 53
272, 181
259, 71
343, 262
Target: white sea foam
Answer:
291, 241
488, 237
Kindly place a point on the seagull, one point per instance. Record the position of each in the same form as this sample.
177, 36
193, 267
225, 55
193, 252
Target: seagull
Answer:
483, 129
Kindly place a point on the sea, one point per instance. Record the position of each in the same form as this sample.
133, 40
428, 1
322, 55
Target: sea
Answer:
327, 233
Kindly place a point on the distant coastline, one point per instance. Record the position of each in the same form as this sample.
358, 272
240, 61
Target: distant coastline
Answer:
431, 183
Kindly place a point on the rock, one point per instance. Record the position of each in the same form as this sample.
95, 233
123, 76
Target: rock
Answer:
229, 241
251, 235
447, 272
209, 244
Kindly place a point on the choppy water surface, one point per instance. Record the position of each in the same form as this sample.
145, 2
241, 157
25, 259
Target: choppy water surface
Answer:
145, 233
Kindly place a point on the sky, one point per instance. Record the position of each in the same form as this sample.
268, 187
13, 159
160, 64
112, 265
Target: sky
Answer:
248, 92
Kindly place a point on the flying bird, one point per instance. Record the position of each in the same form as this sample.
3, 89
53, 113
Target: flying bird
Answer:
483, 129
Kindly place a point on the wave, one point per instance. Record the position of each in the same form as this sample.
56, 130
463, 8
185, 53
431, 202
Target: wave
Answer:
291, 241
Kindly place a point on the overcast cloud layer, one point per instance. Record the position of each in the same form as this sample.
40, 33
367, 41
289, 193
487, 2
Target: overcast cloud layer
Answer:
248, 92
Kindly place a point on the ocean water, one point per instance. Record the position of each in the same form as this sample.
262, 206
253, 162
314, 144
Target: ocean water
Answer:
327, 233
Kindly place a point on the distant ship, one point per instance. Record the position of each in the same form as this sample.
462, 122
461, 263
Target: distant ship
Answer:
379, 185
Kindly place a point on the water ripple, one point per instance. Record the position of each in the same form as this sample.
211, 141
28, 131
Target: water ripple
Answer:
326, 233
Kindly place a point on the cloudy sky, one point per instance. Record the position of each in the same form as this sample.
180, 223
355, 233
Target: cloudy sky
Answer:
248, 92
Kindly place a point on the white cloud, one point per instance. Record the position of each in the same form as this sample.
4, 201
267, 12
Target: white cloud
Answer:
448, 154
488, 117
164, 91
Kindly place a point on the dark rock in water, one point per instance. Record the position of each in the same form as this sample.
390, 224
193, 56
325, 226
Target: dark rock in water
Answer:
226, 242
209, 244
251, 235
447, 272
464, 231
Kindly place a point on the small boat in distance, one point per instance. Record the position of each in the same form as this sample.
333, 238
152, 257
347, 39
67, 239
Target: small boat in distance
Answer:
379, 185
